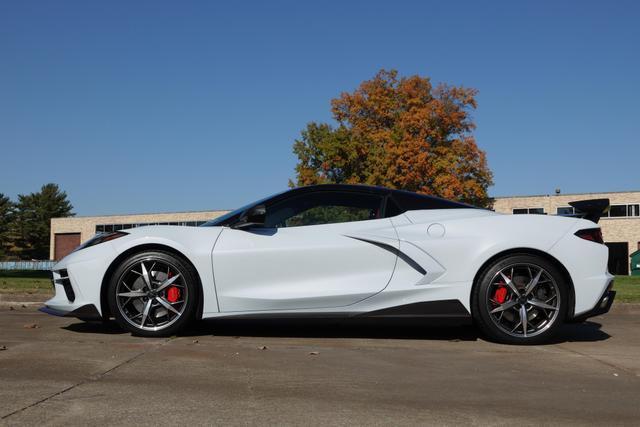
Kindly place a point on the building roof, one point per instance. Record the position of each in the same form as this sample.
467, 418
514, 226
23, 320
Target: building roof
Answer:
566, 194
147, 214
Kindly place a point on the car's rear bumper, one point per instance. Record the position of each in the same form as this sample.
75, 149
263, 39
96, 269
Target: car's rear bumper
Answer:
603, 306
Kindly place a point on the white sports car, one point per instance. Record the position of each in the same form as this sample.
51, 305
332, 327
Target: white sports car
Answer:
343, 251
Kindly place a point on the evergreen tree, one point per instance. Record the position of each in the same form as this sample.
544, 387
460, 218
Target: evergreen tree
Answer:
32, 225
6, 216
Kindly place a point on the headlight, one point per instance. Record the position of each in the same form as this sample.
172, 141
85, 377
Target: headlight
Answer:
101, 238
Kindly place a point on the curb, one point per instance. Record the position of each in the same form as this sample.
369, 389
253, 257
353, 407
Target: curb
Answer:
20, 303
7, 300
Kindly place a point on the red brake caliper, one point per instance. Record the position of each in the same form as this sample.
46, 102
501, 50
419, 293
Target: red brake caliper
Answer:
173, 293
501, 294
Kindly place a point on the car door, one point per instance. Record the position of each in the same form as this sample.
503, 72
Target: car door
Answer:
318, 250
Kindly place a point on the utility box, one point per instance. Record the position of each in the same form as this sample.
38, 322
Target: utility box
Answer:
635, 263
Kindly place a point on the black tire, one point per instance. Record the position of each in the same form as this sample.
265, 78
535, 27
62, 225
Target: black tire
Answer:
552, 282
188, 282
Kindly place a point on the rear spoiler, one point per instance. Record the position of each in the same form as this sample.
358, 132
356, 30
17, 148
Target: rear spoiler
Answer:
591, 209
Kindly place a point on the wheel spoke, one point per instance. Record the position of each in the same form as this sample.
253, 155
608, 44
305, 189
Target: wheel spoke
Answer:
151, 270
145, 312
523, 319
133, 294
516, 327
533, 283
167, 283
167, 305
509, 283
541, 304
145, 275
506, 306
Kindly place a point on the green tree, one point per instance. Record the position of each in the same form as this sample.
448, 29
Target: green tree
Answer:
32, 223
6, 217
398, 132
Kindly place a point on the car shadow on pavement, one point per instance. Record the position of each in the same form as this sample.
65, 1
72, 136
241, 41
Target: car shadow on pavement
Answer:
303, 328
344, 328
95, 327
334, 328
580, 332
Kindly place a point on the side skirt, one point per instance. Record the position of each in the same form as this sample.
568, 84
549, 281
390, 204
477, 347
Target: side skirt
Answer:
445, 312
431, 309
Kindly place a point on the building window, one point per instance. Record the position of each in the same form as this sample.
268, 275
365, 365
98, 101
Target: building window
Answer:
535, 211
565, 210
102, 228
617, 211
622, 211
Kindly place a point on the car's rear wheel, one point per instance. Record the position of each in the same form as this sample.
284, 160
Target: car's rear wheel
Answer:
520, 299
153, 294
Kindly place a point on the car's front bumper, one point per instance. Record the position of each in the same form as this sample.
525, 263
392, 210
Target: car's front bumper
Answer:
68, 300
77, 282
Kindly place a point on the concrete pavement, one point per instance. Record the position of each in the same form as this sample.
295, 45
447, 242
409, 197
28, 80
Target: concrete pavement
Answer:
59, 371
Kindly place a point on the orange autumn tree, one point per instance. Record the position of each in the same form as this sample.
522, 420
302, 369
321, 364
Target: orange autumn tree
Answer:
398, 132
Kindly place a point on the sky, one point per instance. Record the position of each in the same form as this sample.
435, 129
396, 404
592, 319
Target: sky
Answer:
154, 106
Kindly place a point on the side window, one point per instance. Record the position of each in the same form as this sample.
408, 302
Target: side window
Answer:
325, 207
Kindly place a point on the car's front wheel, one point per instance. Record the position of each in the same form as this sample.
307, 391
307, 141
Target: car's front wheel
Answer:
153, 294
520, 299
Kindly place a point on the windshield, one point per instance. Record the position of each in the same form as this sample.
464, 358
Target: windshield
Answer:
231, 216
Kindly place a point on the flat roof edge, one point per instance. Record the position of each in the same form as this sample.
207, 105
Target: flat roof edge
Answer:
564, 194
142, 214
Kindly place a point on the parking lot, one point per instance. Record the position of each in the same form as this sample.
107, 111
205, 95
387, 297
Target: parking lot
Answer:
62, 371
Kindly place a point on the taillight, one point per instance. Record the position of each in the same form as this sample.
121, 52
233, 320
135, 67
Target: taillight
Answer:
592, 234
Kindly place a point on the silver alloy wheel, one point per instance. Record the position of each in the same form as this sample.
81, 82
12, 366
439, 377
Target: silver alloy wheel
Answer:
152, 294
523, 300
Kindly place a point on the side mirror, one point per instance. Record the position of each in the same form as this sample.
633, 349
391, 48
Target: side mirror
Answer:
252, 217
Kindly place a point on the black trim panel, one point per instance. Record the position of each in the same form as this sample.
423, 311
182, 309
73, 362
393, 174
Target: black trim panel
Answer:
406, 258
85, 312
445, 309
440, 309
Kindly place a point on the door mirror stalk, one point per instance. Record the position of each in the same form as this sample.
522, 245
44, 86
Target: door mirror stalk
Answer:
252, 217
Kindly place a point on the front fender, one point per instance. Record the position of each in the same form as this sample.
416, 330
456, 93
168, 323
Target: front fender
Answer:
194, 243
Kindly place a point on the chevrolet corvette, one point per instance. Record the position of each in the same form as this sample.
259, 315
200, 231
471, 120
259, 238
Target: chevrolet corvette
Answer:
347, 251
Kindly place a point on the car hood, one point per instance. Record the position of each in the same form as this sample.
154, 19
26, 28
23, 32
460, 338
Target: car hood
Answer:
169, 230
